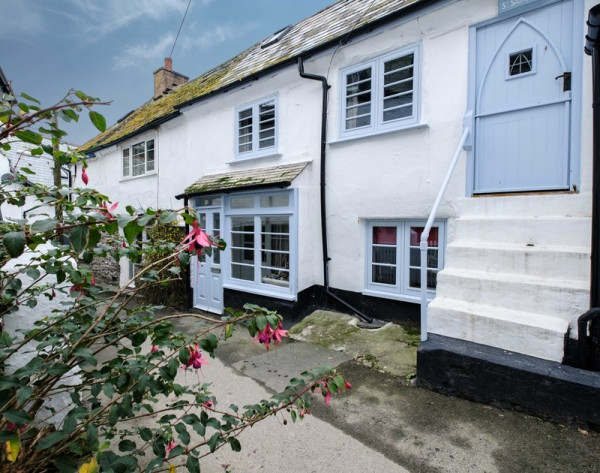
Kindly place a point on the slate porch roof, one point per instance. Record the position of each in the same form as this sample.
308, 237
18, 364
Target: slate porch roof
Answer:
281, 176
325, 29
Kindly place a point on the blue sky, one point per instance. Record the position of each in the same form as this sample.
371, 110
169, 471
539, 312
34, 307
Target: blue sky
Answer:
110, 48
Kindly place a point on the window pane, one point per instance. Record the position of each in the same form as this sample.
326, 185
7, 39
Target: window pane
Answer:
359, 110
242, 240
358, 76
384, 235
209, 201
398, 88
398, 101
384, 274
358, 122
276, 224
520, 63
397, 76
384, 254
242, 272
150, 155
415, 258
397, 113
242, 202
359, 87
360, 99
242, 224
126, 162
399, 63
415, 236
278, 278
246, 114
277, 200
275, 259
415, 279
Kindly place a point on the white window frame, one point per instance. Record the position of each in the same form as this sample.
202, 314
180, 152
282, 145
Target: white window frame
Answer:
401, 290
257, 286
377, 124
256, 151
129, 151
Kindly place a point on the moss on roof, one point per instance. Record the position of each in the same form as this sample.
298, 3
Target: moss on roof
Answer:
247, 178
335, 21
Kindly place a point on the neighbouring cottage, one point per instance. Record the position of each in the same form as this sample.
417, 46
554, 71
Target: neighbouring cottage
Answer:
318, 154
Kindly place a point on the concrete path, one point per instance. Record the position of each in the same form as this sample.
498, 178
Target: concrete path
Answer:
384, 424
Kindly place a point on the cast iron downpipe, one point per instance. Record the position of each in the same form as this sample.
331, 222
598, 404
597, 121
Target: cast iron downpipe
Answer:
326, 257
592, 48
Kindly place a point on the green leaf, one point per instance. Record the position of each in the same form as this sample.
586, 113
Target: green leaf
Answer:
30, 98
65, 464
79, 238
70, 114
33, 273
113, 415
18, 417
98, 120
235, 444
138, 338
261, 322
23, 394
44, 225
145, 434
51, 439
92, 436
183, 433
28, 136
214, 441
94, 237
131, 231
127, 446
14, 242
192, 464
167, 217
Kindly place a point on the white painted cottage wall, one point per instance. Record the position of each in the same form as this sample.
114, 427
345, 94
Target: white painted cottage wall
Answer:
389, 176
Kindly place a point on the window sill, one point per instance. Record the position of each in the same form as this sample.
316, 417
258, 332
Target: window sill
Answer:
132, 178
416, 126
255, 157
260, 291
398, 297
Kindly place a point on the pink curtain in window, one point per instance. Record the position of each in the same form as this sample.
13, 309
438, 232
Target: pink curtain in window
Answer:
384, 235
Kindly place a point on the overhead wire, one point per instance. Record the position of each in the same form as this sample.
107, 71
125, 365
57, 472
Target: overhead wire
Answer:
180, 26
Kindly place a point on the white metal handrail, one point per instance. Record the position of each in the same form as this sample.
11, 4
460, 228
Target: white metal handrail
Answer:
425, 235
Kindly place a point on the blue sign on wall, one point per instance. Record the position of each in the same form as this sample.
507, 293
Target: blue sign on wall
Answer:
508, 5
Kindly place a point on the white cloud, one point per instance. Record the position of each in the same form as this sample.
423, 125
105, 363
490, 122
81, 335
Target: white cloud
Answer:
100, 18
141, 54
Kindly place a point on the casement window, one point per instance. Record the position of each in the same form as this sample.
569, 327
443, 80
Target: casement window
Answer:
382, 94
261, 243
256, 129
138, 159
393, 266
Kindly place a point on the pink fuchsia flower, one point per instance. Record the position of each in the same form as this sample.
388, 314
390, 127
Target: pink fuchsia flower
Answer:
107, 212
154, 349
93, 281
327, 394
208, 404
347, 385
278, 333
196, 240
170, 446
84, 177
264, 336
195, 360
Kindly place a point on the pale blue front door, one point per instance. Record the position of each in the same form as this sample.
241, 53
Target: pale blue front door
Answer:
208, 280
523, 102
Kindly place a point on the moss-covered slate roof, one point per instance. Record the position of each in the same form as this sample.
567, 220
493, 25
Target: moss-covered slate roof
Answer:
238, 180
324, 27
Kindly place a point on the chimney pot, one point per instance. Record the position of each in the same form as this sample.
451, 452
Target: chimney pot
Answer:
168, 64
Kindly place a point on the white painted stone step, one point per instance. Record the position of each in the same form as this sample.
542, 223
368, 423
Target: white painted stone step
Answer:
559, 262
530, 333
531, 205
555, 231
562, 298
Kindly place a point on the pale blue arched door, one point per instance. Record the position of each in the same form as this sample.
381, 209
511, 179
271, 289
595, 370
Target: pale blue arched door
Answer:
523, 102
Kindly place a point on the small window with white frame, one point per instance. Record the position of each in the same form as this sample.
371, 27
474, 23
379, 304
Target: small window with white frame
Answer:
393, 258
138, 159
256, 128
381, 94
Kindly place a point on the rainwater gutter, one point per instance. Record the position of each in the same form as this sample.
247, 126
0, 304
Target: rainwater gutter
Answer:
370, 322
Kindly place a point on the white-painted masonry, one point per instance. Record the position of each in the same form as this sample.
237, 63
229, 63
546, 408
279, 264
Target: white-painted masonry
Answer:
497, 288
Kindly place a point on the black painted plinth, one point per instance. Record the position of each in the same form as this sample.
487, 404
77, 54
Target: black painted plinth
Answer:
511, 380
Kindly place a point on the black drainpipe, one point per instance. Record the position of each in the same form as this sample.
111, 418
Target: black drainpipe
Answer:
369, 320
592, 48
588, 326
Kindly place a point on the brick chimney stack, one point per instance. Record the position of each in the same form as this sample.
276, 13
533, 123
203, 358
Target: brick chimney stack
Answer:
165, 79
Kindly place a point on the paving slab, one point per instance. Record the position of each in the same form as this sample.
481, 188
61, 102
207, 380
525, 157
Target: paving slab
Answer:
277, 367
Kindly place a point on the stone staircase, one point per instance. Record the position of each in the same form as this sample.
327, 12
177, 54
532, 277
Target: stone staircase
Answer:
516, 273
